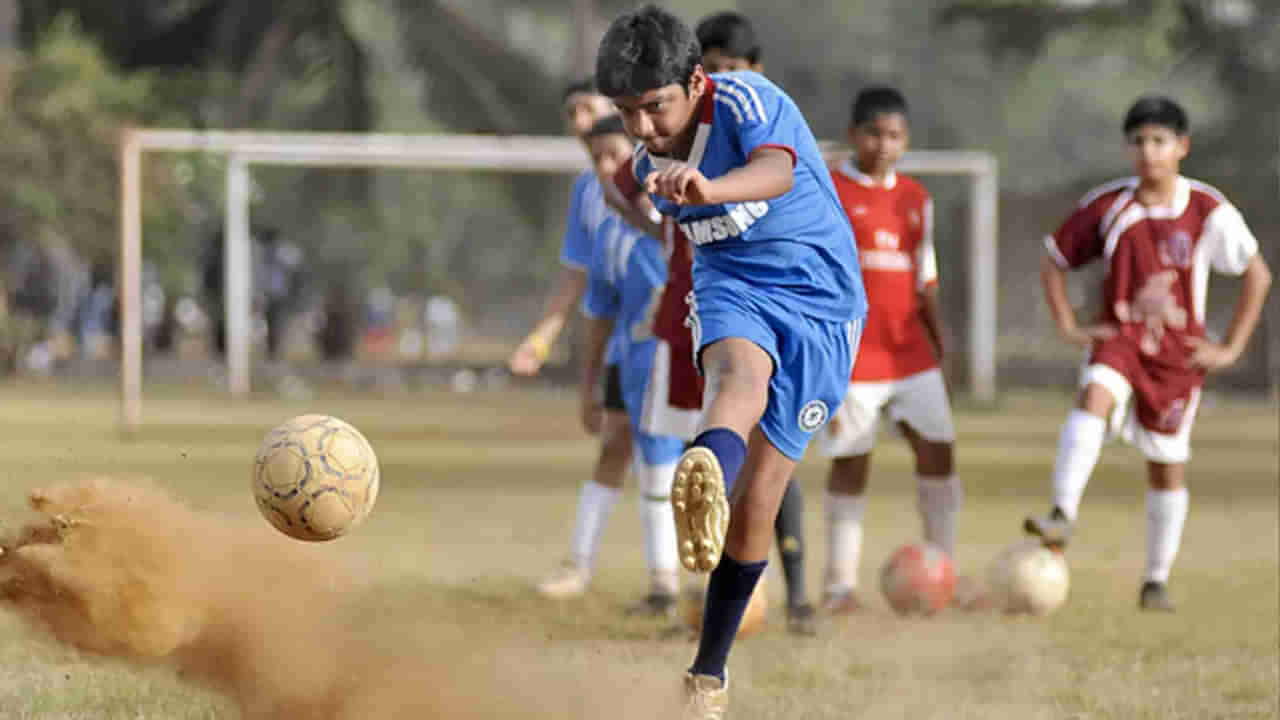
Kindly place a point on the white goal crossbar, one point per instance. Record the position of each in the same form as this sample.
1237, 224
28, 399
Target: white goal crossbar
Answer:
523, 154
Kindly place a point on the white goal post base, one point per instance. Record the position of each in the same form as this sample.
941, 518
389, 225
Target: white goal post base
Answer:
523, 154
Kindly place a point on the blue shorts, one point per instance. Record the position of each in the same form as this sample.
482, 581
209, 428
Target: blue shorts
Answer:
657, 449
812, 358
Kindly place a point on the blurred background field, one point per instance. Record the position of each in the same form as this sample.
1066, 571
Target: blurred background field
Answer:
478, 491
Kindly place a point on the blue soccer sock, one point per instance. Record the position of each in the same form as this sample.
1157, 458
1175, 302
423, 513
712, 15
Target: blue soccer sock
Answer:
729, 448
728, 594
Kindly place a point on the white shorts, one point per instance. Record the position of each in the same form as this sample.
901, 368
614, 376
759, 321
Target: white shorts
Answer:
658, 416
1156, 447
920, 401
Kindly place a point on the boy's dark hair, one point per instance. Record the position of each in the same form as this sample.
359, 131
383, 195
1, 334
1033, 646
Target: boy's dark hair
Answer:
1156, 110
587, 86
731, 33
875, 101
607, 125
646, 49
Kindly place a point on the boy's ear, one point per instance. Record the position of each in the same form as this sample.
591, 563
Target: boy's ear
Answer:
1184, 146
697, 82
757, 67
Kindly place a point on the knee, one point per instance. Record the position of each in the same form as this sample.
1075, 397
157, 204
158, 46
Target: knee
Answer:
934, 459
1096, 400
848, 476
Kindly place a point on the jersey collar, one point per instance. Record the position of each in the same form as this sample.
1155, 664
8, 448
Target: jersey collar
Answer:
849, 170
706, 114
1177, 205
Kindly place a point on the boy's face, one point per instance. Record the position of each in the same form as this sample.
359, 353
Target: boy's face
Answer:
880, 142
608, 152
1157, 151
715, 60
582, 110
661, 118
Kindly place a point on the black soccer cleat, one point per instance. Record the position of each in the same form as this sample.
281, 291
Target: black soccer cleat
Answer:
1054, 529
654, 605
802, 620
1155, 597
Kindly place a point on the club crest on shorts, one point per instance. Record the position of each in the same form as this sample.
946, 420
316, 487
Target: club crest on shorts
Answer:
813, 415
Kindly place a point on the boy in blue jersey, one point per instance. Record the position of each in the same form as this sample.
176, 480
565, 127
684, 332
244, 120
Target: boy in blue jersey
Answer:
625, 279
583, 106
729, 43
776, 306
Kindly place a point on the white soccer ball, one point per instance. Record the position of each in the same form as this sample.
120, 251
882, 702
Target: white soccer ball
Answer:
1027, 577
315, 477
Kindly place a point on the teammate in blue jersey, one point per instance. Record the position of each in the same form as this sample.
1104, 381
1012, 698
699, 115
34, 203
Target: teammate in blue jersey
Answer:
625, 281
776, 307
583, 106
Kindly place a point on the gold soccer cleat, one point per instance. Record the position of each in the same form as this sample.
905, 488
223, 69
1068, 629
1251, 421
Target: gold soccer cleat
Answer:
705, 697
701, 509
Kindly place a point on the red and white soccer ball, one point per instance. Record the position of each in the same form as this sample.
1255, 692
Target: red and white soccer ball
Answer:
918, 579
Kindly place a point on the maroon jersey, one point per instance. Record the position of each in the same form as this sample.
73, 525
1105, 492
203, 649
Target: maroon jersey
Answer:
1157, 261
685, 384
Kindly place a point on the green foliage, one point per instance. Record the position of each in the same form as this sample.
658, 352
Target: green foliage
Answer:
62, 110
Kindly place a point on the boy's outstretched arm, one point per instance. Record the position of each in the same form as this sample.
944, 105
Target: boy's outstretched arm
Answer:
769, 172
1212, 356
591, 411
534, 349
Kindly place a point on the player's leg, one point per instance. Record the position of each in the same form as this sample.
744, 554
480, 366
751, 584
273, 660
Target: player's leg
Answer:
812, 367
788, 529
756, 499
654, 468
1167, 501
923, 411
597, 499
737, 372
846, 505
848, 440
1079, 445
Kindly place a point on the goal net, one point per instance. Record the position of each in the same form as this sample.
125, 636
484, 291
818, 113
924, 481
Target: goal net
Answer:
247, 152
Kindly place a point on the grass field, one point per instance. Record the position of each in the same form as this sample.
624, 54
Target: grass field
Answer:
477, 502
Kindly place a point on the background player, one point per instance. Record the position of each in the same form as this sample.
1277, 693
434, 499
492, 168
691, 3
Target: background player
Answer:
625, 279
896, 371
1158, 235
583, 106
776, 286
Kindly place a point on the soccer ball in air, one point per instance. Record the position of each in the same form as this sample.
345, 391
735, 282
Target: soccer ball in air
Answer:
1028, 577
315, 477
918, 579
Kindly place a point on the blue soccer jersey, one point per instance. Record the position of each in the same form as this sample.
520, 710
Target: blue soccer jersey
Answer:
625, 279
798, 246
587, 210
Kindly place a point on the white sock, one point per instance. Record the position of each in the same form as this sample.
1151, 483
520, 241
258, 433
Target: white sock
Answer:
1079, 444
938, 498
844, 541
659, 524
595, 505
1166, 514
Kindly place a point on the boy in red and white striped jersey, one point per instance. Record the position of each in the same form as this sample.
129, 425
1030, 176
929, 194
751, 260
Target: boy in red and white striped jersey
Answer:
1158, 235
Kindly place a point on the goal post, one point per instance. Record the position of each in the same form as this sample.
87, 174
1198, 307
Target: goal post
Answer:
510, 154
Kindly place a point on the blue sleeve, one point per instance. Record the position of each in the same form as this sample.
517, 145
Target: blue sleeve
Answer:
575, 249
759, 113
601, 297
